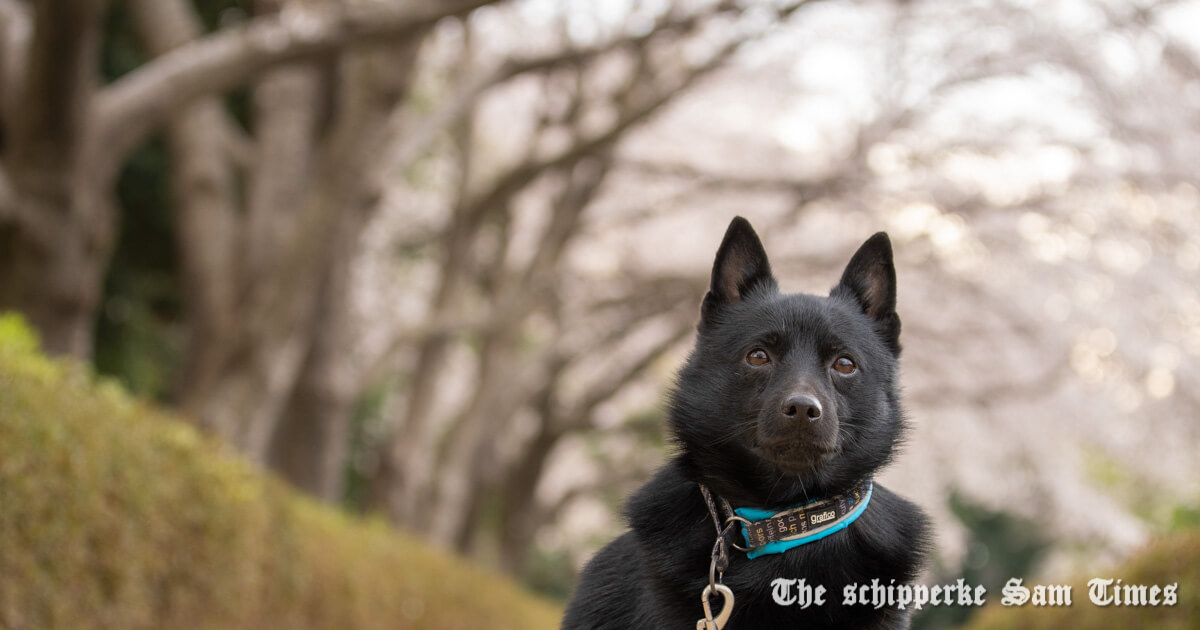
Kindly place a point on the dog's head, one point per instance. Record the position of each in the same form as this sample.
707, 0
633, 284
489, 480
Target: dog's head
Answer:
788, 395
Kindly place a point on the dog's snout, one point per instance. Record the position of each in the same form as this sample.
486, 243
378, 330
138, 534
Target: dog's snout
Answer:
802, 406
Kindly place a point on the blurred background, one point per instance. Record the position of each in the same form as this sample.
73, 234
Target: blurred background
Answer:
438, 261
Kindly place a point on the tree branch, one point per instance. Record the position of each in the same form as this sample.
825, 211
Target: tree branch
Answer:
519, 176
132, 106
602, 392
164, 25
619, 477
418, 138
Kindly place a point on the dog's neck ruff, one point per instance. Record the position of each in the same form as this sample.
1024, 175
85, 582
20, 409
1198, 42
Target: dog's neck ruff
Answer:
766, 531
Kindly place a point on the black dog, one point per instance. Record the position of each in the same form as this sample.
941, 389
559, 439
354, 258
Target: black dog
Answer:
786, 400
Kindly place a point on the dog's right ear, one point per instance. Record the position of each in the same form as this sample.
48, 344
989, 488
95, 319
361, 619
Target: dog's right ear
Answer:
741, 266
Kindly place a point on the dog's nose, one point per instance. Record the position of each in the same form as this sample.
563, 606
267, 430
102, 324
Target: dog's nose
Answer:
802, 406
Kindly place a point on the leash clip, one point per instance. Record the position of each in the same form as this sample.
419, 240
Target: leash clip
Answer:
715, 623
716, 567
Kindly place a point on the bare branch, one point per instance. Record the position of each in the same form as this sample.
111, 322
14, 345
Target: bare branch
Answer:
598, 394
616, 477
521, 175
168, 24
804, 187
653, 297
133, 105
418, 138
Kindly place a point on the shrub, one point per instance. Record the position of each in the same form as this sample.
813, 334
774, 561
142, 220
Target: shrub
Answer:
114, 514
1171, 559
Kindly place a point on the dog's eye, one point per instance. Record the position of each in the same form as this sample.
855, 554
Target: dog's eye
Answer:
845, 365
757, 357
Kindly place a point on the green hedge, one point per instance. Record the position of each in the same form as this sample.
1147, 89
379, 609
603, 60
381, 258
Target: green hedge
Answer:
1169, 560
114, 514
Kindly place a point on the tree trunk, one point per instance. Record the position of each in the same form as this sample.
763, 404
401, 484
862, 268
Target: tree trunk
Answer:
55, 243
309, 448
223, 265
519, 517
461, 470
204, 195
404, 482
310, 441
52, 265
285, 196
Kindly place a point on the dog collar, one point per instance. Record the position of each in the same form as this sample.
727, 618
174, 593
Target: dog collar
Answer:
776, 532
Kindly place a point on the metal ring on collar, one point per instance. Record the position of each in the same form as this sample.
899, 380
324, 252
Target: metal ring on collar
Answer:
742, 520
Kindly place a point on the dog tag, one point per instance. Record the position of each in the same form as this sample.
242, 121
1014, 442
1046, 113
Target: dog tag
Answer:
717, 623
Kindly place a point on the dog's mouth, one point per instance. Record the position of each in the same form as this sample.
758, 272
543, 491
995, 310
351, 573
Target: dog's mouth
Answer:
794, 456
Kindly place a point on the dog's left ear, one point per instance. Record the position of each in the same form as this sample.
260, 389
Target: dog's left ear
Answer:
870, 280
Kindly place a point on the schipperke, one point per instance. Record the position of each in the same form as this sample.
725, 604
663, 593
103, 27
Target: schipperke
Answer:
787, 405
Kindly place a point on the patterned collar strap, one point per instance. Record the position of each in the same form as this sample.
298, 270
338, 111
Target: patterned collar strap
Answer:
776, 532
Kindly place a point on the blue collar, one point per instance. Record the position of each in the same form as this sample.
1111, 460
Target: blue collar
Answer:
776, 532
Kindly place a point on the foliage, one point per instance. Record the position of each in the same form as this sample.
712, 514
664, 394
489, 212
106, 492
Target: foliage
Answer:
365, 430
1000, 545
139, 329
1175, 558
115, 514
16, 335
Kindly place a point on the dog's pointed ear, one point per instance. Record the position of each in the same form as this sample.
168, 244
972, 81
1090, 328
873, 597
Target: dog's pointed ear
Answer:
870, 280
741, 266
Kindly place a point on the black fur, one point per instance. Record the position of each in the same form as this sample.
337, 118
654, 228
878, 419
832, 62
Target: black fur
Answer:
738, 431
